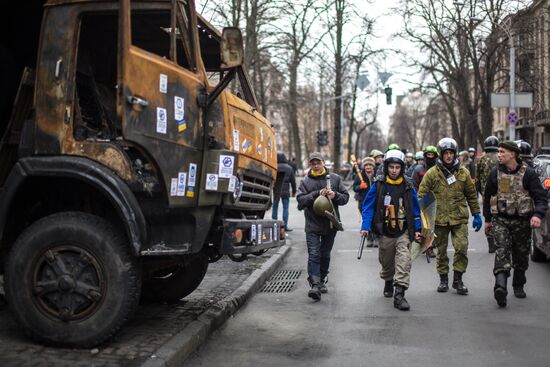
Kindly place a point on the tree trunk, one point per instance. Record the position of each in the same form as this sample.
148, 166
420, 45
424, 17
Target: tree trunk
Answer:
338, 105
293, 112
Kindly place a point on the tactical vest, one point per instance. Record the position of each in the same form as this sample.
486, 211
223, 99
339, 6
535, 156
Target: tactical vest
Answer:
512, 199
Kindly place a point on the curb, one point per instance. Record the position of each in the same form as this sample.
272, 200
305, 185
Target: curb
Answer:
180, 346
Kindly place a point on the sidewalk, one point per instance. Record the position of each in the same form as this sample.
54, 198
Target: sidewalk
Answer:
159, 334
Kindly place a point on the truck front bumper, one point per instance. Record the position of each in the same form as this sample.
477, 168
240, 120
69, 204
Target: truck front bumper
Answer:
244, 236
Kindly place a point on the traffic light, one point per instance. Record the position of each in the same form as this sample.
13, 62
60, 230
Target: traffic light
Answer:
387, 90
322, 137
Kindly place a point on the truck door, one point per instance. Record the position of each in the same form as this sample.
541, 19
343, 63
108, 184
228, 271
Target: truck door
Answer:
157, 93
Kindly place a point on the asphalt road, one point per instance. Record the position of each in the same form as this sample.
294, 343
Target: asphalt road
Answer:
354, 325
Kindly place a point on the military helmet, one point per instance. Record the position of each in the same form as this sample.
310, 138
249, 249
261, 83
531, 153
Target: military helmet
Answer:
393, 147
376, 153
471, 150
491, 144
321, 204
430, 149
525, 149
419, 155
447, 144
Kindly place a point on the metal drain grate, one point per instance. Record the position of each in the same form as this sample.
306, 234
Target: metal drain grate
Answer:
281, 282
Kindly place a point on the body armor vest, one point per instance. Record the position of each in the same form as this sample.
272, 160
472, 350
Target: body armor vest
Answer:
512, 199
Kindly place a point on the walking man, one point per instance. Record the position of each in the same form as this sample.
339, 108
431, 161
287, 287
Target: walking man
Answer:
487, 162
362, 185
454, 191
513, 203
391, 210
289, 180
320, 232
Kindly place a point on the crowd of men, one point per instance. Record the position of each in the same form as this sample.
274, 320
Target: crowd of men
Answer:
388, 188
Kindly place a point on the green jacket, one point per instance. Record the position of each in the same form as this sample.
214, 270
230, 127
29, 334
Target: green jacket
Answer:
452, 200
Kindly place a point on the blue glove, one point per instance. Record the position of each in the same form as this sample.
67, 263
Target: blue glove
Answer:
477, 222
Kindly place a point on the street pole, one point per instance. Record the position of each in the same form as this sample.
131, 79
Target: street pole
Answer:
512, 127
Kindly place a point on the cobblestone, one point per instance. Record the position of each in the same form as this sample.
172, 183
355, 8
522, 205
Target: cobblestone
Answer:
152, 326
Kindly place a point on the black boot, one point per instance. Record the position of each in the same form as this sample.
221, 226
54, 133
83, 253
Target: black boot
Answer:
517, 283
458, 285
500, 290
315, 291
399, 300
324, 281
492, 246
388, 289
443, 283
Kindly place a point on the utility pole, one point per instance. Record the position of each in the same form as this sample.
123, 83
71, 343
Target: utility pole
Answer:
512, 125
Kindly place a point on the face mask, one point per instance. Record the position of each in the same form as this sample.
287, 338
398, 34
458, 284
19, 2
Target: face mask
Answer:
431, 161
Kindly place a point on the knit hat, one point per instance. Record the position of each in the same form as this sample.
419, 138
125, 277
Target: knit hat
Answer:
368, 160
510, 145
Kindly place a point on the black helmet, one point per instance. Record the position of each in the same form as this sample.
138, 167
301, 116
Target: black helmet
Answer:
491, 144
525, 149
447, 144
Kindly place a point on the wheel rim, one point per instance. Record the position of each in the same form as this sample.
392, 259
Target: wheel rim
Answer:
68, 283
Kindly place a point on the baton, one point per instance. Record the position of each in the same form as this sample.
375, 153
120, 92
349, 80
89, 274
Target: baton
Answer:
360, 252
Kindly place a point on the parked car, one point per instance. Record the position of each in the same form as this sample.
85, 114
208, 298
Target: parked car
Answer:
540, 240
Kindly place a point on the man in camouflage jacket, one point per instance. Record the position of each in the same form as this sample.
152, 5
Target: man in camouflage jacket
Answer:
454, 191
487, 162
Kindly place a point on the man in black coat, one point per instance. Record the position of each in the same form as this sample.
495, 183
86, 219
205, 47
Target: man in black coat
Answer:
289, 181
320, 232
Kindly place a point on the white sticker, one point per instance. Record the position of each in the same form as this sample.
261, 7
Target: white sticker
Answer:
227, 162
260, 233
253, 232
261, 134
174, 187
161, 120
275, 231
163, 83
236, 143
451, 179
179, 112
182, 178
212, 181
387, 200
232, 182
192, 174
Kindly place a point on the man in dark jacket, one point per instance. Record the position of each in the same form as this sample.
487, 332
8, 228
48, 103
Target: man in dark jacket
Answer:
320, 231
391, 210
288, 180
514, 202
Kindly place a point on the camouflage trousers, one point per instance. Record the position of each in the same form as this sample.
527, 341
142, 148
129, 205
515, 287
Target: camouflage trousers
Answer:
395, 257
513, 242
459, 238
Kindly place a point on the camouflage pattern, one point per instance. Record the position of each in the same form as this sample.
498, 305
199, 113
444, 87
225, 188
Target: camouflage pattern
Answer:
459, 236
452, 200
486, 163
513, 241
395, 257
512, 198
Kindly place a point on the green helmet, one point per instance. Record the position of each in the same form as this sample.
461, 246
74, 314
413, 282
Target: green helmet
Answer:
375, 153
393, 147
431, 149
321, 204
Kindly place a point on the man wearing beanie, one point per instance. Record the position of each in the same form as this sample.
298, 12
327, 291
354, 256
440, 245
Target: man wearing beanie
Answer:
514, 201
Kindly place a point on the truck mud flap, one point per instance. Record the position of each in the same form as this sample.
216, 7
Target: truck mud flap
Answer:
244, 236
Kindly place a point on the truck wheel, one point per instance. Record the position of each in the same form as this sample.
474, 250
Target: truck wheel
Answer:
71, 280
537, 255
175, 282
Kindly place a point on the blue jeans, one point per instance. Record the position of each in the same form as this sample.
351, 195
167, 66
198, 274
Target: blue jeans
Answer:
318, 249
275, 210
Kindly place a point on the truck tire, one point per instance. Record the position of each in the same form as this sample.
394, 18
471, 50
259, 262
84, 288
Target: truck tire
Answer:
175, 282
71, 280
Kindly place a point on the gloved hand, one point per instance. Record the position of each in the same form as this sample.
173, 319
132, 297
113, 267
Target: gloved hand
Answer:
477, 222
363, 185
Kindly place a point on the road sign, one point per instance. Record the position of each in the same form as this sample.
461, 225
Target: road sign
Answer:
512, 117
523, 100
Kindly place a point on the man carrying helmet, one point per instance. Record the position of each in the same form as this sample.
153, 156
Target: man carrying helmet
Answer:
391, 211
454, 191
487, 162
320, 231
513, 203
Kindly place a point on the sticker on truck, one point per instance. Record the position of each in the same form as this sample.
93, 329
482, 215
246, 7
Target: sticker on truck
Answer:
163, 83
226, 166
211, 182
161, 120
182, 179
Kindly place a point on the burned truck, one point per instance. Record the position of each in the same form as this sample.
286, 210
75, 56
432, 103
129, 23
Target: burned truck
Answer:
126, 163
